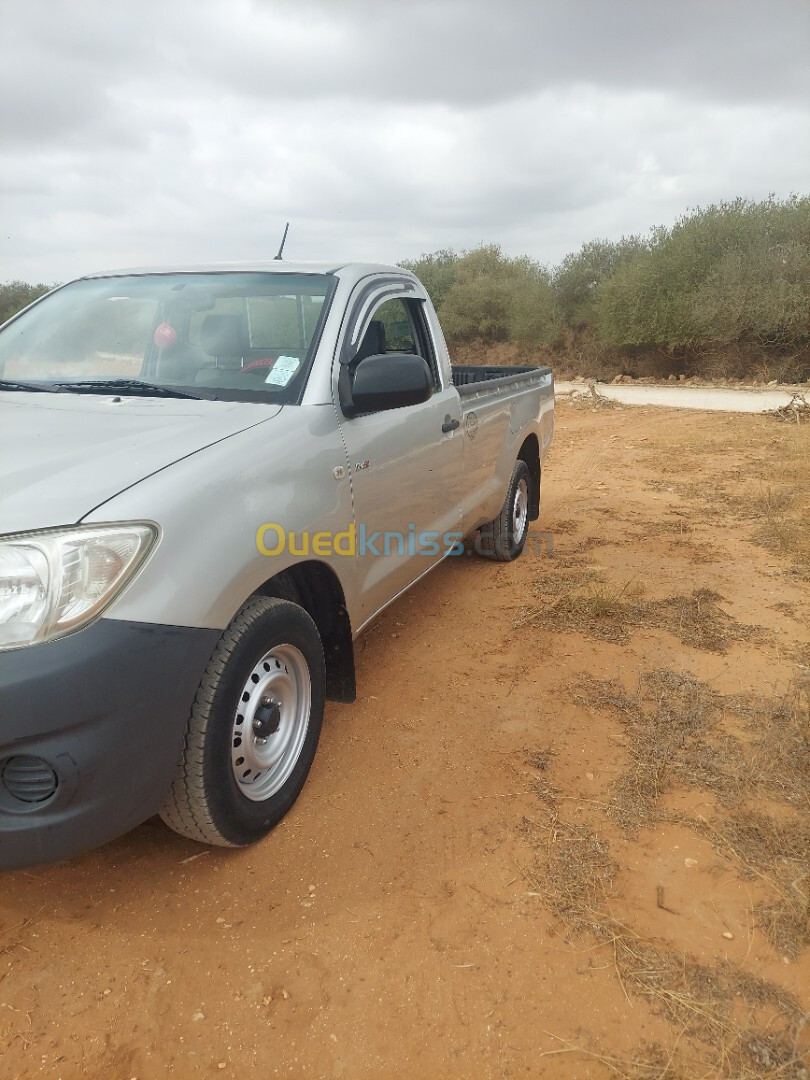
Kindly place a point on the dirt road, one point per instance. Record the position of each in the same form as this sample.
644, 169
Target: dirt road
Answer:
539, 843
713, 398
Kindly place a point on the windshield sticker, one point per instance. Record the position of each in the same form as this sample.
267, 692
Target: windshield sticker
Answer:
283, 370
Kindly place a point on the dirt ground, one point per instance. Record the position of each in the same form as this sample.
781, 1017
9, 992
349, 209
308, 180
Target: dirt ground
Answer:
563, 832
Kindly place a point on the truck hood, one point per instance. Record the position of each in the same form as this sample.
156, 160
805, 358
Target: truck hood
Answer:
62, 455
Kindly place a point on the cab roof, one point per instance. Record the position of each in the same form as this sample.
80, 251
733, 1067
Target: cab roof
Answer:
273, 266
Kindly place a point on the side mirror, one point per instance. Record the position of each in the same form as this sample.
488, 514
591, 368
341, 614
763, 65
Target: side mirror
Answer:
388, 381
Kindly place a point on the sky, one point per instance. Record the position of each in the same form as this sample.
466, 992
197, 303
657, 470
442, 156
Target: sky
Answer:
184, 131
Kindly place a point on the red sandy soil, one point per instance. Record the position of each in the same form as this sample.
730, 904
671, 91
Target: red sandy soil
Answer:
390, 925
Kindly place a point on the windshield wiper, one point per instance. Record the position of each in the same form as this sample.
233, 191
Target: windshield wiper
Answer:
133, 387
44, 388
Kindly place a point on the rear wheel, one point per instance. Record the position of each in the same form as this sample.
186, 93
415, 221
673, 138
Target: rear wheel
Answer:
254, 727
504, 538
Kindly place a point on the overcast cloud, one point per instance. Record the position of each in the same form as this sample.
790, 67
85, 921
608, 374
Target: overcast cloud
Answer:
165, 131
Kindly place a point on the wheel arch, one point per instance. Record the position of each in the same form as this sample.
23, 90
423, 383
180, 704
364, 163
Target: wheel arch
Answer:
316, 587
530, 453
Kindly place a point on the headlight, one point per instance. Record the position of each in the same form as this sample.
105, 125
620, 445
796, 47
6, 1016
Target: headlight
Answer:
52, 583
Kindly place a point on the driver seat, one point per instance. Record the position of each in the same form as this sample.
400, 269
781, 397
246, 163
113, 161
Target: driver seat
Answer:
373, 342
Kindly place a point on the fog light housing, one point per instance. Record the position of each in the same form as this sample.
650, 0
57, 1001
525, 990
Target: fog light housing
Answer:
29, 779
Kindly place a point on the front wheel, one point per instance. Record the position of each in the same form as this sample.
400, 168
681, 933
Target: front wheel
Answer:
504, 538
254, 727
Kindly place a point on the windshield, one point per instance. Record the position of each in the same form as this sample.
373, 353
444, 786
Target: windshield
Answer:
236, 336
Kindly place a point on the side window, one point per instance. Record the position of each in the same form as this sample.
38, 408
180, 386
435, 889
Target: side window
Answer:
398, 325
398, 332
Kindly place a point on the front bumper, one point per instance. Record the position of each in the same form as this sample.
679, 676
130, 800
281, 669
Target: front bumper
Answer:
106, 709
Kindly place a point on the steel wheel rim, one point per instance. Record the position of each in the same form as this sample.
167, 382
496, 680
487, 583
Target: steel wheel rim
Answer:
277, 695
520, 512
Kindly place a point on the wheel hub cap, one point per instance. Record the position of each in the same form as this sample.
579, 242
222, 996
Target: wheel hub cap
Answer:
267, 719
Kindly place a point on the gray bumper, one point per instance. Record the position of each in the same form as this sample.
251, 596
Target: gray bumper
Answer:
105, 709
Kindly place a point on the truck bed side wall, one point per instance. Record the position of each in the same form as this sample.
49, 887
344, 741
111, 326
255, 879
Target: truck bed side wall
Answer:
497, 421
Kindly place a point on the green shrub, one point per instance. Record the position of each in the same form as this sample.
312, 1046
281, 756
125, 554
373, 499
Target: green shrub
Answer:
15, 295
578, 277
737, 271
483, 295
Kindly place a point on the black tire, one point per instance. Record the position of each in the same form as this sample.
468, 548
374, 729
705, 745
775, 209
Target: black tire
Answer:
504, 538
270, 656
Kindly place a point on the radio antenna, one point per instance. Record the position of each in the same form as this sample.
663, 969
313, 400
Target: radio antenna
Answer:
283, 241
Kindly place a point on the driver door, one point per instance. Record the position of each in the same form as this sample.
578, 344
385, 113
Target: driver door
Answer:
405, 463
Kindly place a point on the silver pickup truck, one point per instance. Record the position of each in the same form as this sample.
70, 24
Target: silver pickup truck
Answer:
211, 480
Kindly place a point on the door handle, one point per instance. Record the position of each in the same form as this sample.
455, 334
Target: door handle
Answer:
450, 425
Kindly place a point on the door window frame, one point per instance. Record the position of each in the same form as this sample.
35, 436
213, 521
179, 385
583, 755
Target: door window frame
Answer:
370, 299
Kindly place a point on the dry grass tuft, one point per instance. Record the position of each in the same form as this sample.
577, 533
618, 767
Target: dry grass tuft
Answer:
770, 500
698, 621
678, 739
786, 535
574, 870
668, 724
677, 526
706, 1002
779, 762
564, 526
777, 852
786, 924
717, 1008
582, 600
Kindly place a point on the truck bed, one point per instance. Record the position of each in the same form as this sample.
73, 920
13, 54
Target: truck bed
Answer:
472, 375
